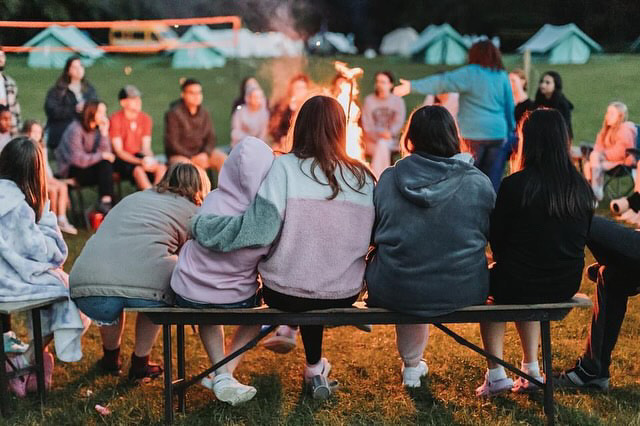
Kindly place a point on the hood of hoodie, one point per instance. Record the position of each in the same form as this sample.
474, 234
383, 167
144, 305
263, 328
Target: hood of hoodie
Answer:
10, 196
427, 180
240, 178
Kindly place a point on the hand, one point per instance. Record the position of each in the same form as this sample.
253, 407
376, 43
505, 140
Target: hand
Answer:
201, 160
109, 156
403, 89
79, 107
104, 127
149, 164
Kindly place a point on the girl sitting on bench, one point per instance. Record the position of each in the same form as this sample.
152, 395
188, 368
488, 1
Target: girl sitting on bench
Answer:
316, 207
538, 232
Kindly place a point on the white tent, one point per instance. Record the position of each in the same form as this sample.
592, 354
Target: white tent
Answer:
440, 44
197, 50
565, 44
328, 43
247, 44
398, 42
471, 39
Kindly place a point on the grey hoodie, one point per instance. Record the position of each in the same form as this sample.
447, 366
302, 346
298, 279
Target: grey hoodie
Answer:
432, 223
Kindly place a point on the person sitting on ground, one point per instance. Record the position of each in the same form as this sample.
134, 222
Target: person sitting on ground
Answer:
311, 265
206, 279
550, 94
66, 100
432, 211
57, 190
284, 110
245, 84
33, 250
539, 228
610, 150
5, 126
616, 249
130, 133
251, 118
84, 153
128, 263
188, 130
383, 116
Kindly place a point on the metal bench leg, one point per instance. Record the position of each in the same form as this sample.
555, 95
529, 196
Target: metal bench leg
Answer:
37, 339
168, 365
181, 368
4, 383
545, 328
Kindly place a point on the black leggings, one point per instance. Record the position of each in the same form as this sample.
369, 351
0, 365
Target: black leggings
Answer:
100, 173
6, 323
311, 334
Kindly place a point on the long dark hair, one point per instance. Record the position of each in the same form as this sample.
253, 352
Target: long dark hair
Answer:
432, 130
486, 54
243, 91
544, 151
22, 162
557, 97
320, 133
63, 80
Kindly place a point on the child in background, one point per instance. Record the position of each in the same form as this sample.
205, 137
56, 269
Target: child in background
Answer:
57, 190
5, 126
206, 279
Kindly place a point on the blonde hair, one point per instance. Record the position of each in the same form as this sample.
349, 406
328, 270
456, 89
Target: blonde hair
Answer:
186, 180
608, 131
523, 76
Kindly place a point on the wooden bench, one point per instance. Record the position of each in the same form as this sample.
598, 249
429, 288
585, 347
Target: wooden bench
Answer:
358, 314
10, 308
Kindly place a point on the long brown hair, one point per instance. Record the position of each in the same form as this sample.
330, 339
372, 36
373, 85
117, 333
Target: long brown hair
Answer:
63, 80
320, 133
89, 113
22, 162
486, 54
186, 180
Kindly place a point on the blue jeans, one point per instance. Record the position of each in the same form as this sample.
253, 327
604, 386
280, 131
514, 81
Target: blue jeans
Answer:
107, 309
486, 153
252, 302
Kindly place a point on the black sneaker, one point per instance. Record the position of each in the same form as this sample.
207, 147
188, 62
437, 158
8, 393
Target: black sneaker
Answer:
111, 368
104, 207
578, 377
150, 371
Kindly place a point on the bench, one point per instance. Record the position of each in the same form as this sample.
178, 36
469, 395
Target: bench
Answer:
10, 308
358, 314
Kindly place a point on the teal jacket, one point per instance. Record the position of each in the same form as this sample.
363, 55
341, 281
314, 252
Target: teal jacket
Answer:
486, 108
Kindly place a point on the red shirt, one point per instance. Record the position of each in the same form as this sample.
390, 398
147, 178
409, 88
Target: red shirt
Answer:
130, 131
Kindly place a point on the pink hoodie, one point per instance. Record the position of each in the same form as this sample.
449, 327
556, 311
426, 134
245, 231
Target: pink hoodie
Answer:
205, 276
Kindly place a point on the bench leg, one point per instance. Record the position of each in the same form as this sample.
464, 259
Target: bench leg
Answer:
545, 328
37, 340
4, 383
181, 368
168, 383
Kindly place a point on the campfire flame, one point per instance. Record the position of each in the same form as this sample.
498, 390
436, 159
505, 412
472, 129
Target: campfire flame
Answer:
346, 98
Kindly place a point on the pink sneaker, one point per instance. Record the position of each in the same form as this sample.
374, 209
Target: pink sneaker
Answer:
488, 389
282, 341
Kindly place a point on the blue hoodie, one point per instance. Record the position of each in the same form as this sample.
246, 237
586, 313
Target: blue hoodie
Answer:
432, 224
486, 103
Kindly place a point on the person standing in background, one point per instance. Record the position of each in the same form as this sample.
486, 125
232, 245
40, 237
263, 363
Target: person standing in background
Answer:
9, 95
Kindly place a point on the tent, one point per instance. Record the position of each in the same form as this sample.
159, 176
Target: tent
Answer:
398, 42
440, 44
565, 44
248, 44
199, 51
328, 43
58, 44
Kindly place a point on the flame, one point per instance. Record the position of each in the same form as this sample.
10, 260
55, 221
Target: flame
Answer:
346, 97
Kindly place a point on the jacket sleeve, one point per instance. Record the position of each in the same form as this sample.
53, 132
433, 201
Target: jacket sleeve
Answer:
56, 108
209, 137
259, 226
172, 135
80, 157
452, 81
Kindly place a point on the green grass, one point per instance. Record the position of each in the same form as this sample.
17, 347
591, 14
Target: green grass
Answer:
367, 366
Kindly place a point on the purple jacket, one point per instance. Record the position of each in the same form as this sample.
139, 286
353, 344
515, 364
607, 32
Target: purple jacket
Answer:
205, 276
78, 148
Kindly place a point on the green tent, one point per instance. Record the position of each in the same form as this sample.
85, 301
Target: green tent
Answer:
196, 50
564, 44
440, 44
56, 44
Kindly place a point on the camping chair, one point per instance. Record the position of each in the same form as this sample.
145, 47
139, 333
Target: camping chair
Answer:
620, 180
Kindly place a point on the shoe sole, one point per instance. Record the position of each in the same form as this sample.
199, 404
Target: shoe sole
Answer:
279, 346
230, 396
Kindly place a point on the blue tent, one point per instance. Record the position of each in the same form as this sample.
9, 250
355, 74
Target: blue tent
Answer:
440, 44
199, 50
56, 44
564, 44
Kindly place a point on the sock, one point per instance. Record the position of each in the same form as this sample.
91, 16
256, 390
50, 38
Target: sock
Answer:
61, 217
111, 357
139, 362
315, 369
531, 368
497, 373
634, 202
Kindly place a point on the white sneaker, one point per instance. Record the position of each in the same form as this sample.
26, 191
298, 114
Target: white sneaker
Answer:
493, 388
66, 227
283, 340
228, 389
207, 381
411, 375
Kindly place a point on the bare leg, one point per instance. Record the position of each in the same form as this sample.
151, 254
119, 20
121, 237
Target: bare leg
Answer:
146, 333
141, 179
212, 337
242, 336
63, 199
112, 334
529, 332
411, 340
53, 198
158, 173
217, 159
637, 177
493, 340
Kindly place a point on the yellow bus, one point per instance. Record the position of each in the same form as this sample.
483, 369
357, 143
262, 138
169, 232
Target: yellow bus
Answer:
147, 37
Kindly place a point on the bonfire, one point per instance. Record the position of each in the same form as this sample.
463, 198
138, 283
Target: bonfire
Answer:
348, 91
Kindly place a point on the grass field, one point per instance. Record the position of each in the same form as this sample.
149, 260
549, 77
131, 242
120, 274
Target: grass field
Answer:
367, 365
